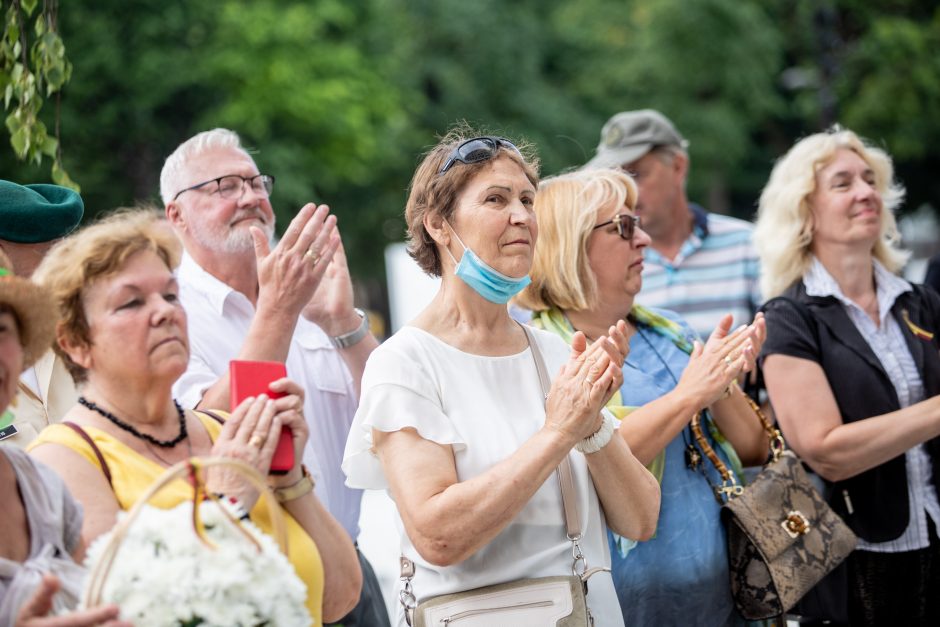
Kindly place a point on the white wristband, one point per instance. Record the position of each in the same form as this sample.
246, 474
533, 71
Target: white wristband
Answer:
599, 440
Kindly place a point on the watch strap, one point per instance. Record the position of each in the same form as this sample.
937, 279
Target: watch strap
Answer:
353, 337
303, 486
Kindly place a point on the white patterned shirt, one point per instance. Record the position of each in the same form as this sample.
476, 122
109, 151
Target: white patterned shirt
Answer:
219, 317
887, 342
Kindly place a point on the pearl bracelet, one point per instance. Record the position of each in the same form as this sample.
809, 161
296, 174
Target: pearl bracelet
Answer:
599, 440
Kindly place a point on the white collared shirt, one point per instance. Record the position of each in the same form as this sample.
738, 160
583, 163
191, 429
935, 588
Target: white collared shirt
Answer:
219, 318
887, 342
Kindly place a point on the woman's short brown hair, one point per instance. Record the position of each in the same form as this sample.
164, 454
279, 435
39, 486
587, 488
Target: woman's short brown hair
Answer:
431, 192
96, 252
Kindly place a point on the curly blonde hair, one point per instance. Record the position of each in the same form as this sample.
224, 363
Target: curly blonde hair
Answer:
96, 252
783, 234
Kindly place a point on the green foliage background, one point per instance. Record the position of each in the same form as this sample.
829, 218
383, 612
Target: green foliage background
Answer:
340, 98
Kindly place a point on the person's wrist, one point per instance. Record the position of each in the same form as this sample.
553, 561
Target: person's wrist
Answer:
729, 390
599, 439
281, 481
297, 489
277, 312
353, 330
344, 323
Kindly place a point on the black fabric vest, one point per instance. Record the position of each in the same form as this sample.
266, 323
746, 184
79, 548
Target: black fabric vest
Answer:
873, 503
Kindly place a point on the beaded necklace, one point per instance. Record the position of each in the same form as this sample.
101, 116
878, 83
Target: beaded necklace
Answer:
134, 432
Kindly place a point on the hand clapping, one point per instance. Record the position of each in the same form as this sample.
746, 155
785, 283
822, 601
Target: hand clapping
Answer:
715, 366
591, 376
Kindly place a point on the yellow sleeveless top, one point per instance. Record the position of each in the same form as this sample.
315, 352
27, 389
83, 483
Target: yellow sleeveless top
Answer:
132, 474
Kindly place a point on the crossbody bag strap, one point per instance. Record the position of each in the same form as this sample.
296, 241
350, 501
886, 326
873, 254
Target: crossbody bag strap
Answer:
565, 478
94, 449
219, 419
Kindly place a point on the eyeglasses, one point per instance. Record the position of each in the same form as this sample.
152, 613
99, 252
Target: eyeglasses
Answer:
476, 150
626, 225
233, 185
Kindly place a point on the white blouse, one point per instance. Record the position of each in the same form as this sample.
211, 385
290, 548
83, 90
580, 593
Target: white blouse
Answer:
485, 408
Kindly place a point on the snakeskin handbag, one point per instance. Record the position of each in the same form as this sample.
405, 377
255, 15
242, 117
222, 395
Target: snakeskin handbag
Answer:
782, 536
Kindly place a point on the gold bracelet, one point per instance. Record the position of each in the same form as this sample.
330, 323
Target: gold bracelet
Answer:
300, 488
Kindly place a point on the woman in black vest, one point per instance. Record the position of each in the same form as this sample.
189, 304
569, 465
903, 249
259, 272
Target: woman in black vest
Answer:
852, 368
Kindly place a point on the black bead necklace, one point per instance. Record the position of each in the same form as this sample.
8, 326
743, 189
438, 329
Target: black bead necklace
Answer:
134, 432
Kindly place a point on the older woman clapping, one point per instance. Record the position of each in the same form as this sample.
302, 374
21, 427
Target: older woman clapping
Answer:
453, 421
852, 369
123, 333
585, 278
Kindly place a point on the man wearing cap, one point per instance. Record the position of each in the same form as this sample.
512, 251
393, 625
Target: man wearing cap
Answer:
701, 265
292, 302
32, 219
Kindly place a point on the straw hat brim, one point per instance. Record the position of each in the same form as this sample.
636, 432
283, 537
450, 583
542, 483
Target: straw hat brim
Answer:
36, 312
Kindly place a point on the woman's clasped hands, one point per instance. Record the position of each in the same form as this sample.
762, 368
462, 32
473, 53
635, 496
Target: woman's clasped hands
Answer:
714, 367
593, 374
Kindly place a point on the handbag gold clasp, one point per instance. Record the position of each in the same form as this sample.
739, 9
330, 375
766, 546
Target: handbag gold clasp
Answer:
795, 524
728, 489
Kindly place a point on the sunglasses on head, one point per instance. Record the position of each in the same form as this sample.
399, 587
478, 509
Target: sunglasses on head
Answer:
476, 150
626, 225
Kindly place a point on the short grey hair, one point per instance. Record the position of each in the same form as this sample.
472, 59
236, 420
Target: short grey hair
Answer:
175, 165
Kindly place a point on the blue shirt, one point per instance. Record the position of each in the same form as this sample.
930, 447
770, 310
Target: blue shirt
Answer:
680, 577
715, 272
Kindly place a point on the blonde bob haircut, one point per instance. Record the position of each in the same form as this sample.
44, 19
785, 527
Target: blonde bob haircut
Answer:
567, 208
783, 235
96, 252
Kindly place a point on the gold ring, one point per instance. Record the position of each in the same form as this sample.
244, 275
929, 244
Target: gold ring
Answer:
256, 441
312, 256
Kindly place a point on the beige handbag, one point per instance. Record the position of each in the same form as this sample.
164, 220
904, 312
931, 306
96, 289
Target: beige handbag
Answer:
543, 601
782, 536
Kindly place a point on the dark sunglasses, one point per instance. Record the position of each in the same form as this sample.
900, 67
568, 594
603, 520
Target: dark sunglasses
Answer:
476, 150
626, 225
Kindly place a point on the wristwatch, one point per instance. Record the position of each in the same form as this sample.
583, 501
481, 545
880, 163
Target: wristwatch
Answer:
303, 486
353, 337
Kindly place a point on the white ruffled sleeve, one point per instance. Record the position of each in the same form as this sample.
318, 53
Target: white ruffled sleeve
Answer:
398, 392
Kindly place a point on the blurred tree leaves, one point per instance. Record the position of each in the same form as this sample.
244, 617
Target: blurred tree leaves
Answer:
339, 98
33, 67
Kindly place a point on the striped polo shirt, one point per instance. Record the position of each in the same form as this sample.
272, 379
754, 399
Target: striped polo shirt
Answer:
716, 272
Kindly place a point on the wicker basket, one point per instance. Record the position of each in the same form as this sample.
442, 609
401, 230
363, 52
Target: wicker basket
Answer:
191, 469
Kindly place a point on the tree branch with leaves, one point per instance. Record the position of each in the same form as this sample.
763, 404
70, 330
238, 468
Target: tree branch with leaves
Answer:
33, 68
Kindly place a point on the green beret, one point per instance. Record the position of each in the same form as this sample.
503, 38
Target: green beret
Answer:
38, 213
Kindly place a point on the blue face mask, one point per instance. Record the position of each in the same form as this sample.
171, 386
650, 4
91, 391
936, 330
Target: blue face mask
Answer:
492, 285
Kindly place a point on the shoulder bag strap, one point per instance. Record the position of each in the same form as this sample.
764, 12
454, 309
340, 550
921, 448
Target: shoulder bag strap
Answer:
94, 448
211, 414
729, 487
565, 478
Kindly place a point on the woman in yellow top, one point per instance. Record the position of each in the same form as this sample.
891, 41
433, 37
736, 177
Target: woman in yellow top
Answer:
123, 335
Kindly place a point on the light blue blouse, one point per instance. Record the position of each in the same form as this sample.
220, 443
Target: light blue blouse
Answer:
680, 577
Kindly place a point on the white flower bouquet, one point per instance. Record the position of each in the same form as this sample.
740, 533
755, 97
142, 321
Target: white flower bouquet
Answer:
177, 568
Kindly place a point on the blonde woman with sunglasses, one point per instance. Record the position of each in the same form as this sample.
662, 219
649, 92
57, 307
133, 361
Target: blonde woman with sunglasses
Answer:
586, 276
